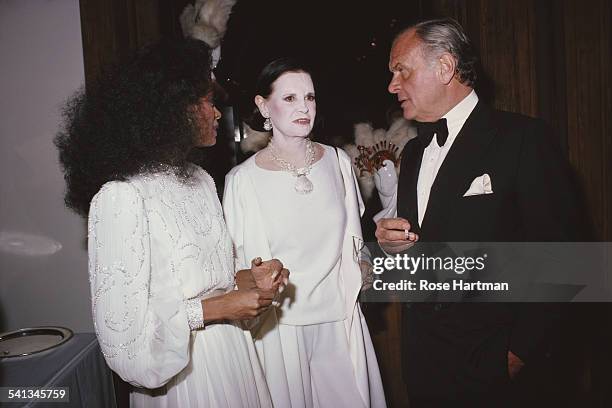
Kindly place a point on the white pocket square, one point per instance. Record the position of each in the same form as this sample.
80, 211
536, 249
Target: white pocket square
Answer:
481, 185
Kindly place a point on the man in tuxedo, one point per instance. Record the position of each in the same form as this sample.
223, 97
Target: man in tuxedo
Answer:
479, 175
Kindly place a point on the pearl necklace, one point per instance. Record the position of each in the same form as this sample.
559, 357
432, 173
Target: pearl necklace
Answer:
302, 185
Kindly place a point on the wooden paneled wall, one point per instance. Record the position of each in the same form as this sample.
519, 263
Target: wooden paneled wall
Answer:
113, 29
588, 46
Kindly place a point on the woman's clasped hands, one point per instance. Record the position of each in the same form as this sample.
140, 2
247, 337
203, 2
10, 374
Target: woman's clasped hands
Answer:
257, 289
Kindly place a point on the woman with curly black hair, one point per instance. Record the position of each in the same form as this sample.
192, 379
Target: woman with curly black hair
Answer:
160, 257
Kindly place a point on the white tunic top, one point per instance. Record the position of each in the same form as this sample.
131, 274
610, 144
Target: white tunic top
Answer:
154, 242
311, 244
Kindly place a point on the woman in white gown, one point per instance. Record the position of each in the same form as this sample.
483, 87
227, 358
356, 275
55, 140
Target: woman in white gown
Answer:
298, 200
160, 257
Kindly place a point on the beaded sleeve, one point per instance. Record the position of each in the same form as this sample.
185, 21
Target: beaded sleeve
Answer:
144, 336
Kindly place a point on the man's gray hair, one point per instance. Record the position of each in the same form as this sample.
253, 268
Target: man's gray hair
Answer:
447, 35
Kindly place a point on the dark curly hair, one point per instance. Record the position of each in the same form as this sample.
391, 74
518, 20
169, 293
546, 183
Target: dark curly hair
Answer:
134, 119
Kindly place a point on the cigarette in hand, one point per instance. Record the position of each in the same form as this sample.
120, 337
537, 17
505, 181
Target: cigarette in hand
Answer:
410, 236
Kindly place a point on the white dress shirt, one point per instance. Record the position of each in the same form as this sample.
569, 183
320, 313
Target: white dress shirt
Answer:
434, 155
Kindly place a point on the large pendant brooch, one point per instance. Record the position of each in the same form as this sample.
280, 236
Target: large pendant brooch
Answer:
303, 185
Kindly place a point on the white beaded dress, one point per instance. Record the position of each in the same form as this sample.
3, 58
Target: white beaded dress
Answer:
156, 241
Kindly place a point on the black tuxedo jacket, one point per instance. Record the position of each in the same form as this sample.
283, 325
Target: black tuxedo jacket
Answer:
460, 349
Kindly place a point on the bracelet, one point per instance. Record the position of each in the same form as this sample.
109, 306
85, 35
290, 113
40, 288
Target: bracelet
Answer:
195, 313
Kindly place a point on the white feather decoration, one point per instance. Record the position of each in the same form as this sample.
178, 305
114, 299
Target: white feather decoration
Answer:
207, 20
400, 132
376, 143
363, 134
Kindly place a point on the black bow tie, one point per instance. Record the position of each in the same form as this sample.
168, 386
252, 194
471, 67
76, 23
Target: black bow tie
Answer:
426, 130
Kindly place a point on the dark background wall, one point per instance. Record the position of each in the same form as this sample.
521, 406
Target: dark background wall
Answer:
545, 58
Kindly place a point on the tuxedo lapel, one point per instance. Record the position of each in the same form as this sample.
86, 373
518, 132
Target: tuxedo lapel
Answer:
458, 168
407, 191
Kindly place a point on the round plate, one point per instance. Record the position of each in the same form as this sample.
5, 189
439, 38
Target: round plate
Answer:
24, 342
